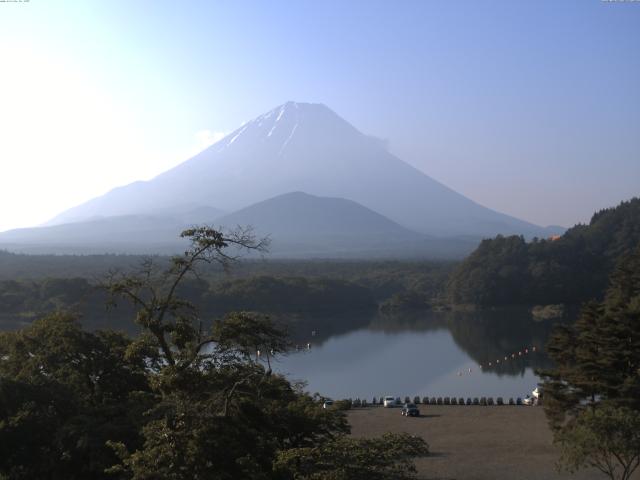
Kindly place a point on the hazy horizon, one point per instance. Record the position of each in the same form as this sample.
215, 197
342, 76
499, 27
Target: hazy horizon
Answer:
531, 110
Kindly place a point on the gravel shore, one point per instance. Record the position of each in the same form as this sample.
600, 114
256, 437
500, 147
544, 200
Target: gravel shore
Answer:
474, 442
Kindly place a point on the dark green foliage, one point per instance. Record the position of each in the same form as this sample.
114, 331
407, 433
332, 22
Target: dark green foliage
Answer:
387, 458
22, 302
289, 295
409, 300
221, 414
26, 267
321, 287
318, 289
63, 393
605, 438
592, 396
181, 401
598, 357
569, 270
210, 431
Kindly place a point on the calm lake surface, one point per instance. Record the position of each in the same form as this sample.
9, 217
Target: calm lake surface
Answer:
433, 354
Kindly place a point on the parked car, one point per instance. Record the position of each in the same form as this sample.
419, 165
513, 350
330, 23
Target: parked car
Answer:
410, 410
327, 404
389, 401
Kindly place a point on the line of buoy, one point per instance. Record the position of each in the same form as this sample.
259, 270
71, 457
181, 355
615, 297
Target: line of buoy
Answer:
497, 362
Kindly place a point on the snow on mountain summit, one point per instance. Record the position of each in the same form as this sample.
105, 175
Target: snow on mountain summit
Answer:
306, 147
276, 129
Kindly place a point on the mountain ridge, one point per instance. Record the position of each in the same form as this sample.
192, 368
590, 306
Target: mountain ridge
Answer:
307, 147
299, 226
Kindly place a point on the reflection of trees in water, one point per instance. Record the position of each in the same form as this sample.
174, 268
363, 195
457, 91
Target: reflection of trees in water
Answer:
486, 336
491, 335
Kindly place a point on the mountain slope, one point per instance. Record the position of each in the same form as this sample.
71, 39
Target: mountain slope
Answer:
299, 226
306, 147
299, 215
120, 234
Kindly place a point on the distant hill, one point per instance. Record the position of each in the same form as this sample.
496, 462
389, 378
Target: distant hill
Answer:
305, 147
300, 215
299, 226
570, 269
302, 226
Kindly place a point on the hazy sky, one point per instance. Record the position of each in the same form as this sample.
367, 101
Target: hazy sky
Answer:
531, 108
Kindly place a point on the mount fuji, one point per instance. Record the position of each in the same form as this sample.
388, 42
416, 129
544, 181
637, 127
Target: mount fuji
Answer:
300, 147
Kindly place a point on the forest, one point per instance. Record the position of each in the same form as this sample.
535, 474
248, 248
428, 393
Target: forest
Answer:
186, 398
503, 271
570, 269
281, 288
142, 371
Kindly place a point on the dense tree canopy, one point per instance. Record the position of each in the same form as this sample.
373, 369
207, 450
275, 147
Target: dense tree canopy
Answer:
570, 269
387, 458
185, 399
598, 369
64, 392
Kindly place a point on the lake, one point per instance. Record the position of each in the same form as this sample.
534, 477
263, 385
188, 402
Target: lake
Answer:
432, 354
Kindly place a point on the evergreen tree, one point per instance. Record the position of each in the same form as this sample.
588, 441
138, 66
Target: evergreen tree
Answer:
598, 367
570, 269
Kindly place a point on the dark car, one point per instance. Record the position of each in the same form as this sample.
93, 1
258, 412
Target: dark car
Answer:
410, 410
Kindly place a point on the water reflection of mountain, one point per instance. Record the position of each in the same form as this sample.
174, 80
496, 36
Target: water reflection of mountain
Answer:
486, 336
